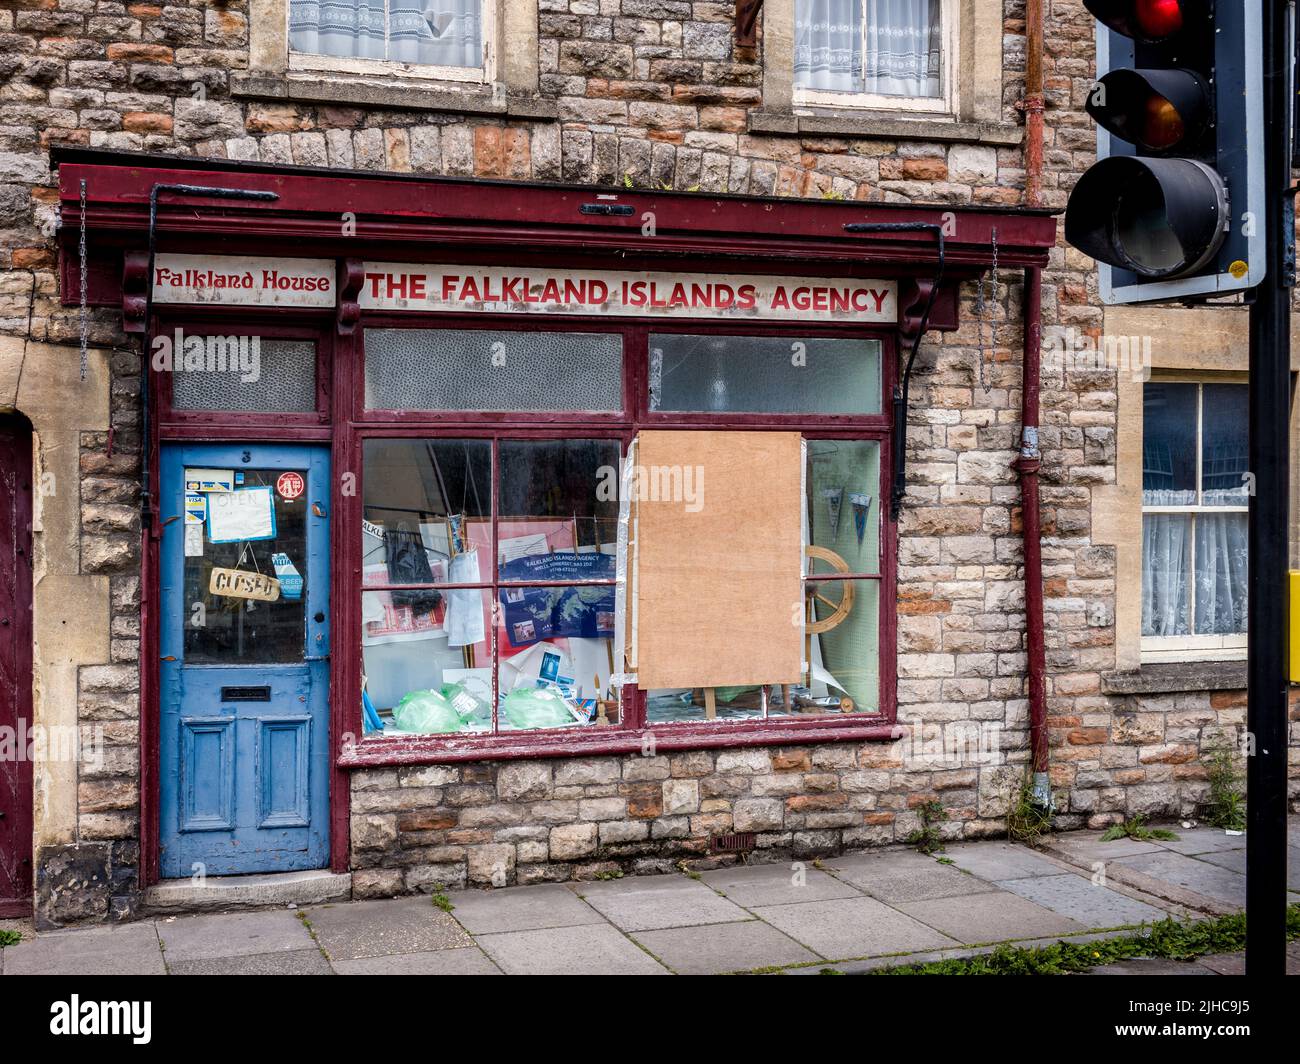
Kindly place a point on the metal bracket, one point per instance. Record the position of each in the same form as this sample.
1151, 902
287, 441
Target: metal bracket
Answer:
901, 393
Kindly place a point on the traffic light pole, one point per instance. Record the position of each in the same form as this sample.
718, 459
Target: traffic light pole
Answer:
1270, 390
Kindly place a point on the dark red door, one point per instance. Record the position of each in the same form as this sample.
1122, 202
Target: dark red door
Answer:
15, 666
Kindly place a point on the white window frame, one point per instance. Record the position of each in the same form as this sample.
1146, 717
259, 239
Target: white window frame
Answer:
1173, 648
945, 104
310, 62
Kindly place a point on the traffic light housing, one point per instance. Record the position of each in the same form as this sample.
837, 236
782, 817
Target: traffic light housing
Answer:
1173, 208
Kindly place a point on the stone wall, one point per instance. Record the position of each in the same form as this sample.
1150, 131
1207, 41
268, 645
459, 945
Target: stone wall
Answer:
648, 93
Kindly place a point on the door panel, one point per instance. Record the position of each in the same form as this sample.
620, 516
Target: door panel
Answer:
244, 739
15, 665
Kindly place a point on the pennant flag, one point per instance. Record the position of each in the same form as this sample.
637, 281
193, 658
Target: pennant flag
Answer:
834, 500
861, 506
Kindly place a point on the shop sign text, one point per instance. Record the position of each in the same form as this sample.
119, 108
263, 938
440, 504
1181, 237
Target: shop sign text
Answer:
490, 289
241, 280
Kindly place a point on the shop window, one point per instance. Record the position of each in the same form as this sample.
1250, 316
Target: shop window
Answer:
493, 600
874, 53
1195, 496
493, 369
245, 374
438, 552
764, 374
442, 39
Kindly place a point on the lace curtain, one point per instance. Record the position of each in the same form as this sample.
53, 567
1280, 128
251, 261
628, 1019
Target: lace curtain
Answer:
429, 32
892, 49
1219, 580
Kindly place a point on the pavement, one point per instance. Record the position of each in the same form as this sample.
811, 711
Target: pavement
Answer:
847, 914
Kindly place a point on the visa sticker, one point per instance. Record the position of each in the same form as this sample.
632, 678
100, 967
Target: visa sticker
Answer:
196, 508
199, 480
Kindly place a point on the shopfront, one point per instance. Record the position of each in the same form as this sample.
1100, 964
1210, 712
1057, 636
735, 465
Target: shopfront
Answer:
451, 478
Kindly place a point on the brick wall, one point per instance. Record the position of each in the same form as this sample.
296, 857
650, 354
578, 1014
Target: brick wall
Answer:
651, 92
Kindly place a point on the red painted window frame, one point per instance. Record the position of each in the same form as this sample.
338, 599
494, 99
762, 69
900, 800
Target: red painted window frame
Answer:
631, 734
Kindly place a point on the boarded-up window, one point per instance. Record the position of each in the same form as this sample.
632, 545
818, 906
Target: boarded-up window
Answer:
719, 590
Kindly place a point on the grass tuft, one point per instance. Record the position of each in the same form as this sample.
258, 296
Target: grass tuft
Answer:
1168, 939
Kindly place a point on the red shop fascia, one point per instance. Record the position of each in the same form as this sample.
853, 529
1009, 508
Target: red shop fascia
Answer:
353, 218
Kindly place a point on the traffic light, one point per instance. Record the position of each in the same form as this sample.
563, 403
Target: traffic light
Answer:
1173, 208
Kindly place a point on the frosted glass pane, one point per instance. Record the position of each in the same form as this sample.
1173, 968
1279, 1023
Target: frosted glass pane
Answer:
248, 374
489, 369
764, 374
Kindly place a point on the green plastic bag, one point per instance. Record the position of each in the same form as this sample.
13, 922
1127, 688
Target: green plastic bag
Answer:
536, 707
468, 706
425, 712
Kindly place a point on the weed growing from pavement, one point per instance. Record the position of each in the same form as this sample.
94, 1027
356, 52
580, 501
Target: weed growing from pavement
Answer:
9, 938
1226, 807
1167, 939
926, 838
1027, 820
1136, 828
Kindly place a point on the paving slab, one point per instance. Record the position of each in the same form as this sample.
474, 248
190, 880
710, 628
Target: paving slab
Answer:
892, 879
1224, 963
1001, 861
776, 884
1235, 861
294, 962
1202, 839
467, 960
1190, 873
1082, 900
131, 949
647, 903
993, 917
1086, 846
195, 938
376, 928
852, 927
717, 948
592, 949
483, 912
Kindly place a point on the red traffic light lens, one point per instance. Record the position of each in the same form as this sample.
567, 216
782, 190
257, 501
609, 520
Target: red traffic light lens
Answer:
1158, 18
1162, 125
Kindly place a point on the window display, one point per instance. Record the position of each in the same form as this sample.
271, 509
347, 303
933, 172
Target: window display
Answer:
439, 653
490, 555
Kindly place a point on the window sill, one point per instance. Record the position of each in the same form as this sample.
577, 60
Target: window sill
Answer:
847, 123
460, 97
425, 750
1174, 677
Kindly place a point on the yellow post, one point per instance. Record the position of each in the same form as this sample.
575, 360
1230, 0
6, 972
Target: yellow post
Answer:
1293, 650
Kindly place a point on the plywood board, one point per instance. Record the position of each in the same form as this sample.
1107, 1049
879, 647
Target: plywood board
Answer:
719, 592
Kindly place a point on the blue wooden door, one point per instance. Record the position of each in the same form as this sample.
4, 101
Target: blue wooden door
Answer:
244, 738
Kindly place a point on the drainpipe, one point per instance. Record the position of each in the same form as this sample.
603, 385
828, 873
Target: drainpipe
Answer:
1030, 458
1027, 465
1032, 104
